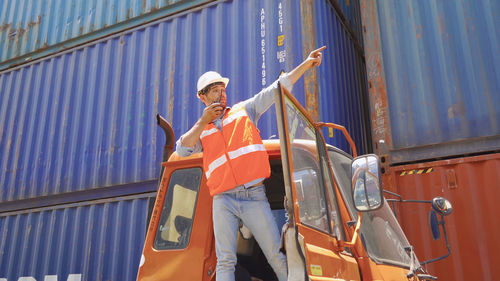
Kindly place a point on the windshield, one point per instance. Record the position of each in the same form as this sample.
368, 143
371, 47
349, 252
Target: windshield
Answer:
380, 232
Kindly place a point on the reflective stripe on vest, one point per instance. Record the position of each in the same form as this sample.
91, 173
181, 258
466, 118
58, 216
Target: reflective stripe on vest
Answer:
215, 164
233, 117
245, 150
208, 132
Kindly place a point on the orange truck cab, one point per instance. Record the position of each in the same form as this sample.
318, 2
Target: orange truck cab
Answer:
336, 223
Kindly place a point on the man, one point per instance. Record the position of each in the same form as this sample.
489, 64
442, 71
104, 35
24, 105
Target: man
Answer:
235, 163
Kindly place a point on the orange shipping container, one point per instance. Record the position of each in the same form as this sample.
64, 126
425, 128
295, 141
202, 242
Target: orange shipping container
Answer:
472, 184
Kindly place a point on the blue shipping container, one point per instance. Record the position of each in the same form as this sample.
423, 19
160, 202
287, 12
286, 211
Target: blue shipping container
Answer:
350, 10
441, 64
34, 28
85, 118
100, 240
342, 93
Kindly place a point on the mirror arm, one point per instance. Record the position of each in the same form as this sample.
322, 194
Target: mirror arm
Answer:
354, 236
400, 200
343, 130
442, 222
395, 195
408, 201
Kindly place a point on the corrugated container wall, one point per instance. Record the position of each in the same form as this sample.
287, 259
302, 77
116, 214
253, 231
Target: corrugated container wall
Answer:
99, 240
472, 185
34, 28
85, 118
433, 70
342, 84
350, 15
440, 63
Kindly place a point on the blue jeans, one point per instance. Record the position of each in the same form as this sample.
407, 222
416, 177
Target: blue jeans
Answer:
252, 207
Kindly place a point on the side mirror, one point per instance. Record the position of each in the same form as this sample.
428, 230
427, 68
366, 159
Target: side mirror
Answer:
366, 183
442, 206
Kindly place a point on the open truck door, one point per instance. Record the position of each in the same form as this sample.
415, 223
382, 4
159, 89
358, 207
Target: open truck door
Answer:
311, 200
179, 243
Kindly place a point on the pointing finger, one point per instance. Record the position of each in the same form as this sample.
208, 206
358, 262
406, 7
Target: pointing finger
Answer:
319, 50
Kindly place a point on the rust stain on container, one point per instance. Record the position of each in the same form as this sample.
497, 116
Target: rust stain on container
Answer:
440, 22
377, 89
5, 26
19, 39
451, 178
155, 6
310, 78
34, 23
20, 32
171, 97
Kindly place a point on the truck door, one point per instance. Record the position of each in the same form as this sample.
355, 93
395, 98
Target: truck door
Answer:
309, 181
180, 238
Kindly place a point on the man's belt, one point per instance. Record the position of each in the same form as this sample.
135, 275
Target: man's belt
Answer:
255, 185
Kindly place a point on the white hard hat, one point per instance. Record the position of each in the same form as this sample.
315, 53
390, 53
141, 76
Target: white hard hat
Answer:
210, 77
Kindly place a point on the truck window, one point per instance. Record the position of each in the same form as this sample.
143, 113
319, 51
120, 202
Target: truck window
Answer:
341, 165
316, 203
176, 219
380, 232
312, 204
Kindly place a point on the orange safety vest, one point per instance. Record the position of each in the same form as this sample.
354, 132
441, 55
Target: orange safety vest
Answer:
235, 155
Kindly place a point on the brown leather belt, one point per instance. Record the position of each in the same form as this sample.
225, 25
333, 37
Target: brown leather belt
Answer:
255, 185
